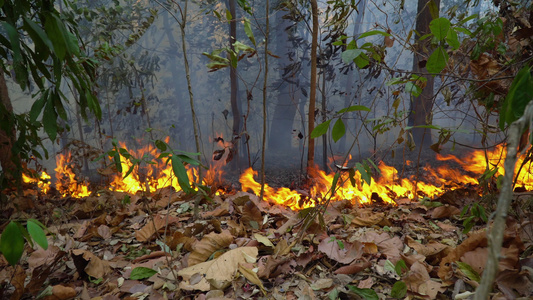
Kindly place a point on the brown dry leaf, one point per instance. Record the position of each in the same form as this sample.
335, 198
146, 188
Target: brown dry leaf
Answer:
221, 269
476, 239
391, 247
445, 211
252, 277
269, 264
353, 268
367, 218
282, 248
210, 243
511, 282
322, 284
63, 292
389, 41
104, 232
346, 255
251, 215
428, 249
367, 283
151, 227
418, 281
222, 210
17, 281
179, 238
94, 266
42, 257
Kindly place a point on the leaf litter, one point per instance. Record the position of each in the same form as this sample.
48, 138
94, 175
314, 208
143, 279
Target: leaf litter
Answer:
242, 248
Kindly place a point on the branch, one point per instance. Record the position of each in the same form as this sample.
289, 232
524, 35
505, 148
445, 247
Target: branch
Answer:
495, 235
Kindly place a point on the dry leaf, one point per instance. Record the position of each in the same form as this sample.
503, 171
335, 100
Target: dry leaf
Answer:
152, 226
104, 232
346, 255
212, 242
353, 268
63, 292
17, 281
221, 269
90, 264
367, 218
252, 277
263, 240
428, 249
444, 211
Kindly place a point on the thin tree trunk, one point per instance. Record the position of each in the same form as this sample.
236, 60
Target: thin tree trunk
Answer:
189, 88
8, 161
324, 117
421, 107
496, 233
312, 91
265, 85
233, 85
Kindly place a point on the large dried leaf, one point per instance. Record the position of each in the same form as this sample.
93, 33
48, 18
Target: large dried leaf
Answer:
428, 249
368, 218
152, 226
212, 242
220, 270
345, 254
251, 215
90, 264
419, 281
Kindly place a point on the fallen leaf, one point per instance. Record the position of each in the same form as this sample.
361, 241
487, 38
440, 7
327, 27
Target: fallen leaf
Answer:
152, 226
353, 268
322, 284
104, 232
428, 249
63, 292
210, 243
252, 277
263, 240
345, 255
221, 269
89, 264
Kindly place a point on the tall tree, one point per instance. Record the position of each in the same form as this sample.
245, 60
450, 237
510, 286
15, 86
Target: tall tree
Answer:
312, 86
234, 97
421, 107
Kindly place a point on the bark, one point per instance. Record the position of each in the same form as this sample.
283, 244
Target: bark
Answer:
496, 233
189, 88
8, 161
421, 106
235, 109
312, 87
265, 86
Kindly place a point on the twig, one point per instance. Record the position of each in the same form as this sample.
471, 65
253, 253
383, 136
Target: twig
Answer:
495, 235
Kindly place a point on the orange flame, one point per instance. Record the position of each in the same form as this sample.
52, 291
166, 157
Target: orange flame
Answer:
43, 182
67, 183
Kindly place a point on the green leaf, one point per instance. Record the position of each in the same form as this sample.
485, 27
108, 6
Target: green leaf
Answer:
373, 32
362, 61
181, 174
55, 33
437, 61
50, 120
338, 130
248, 30
334, 183
21, 72
320, 129
469, 271
140, 273
348, 56
400, 267
413, 89
364, 174
399, 289
12, 243
519, 95
439, 27
37, 234
354, 108
367, 294
38, 105
453, 40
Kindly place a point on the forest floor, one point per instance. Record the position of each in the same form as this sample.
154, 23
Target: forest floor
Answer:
118, 246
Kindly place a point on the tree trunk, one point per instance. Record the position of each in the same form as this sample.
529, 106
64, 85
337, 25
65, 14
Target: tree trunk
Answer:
312, 87
235, 109
10, 163
421, 107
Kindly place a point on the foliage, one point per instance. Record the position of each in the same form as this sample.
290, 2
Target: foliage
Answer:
477, 213
12, 240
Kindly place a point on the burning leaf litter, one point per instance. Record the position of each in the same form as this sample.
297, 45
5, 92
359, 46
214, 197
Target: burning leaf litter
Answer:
241, 247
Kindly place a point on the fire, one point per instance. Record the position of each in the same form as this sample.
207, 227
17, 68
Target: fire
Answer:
151, 173
67, 183
43, 182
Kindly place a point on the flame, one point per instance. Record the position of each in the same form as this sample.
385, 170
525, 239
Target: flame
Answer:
154, 173
67, 183
43, 181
